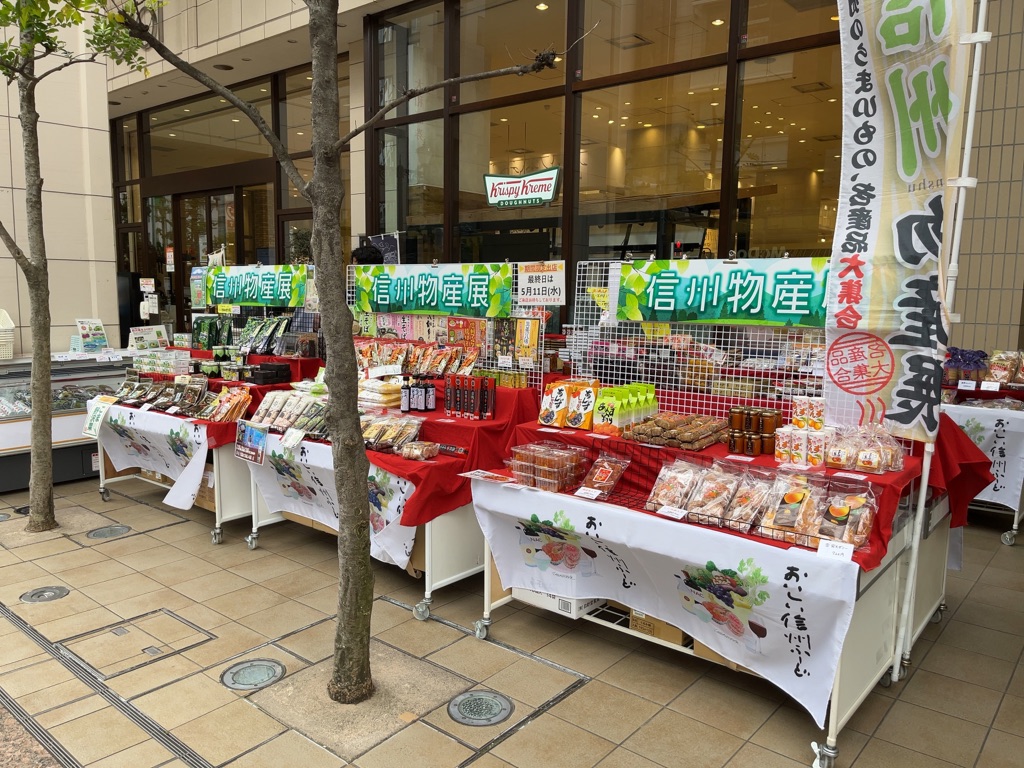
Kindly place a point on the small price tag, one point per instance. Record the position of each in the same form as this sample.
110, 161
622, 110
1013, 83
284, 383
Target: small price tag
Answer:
446, 421
599, 437
734, 457
966, 385
990, 386
173, 410
102, 358
292, 437
852, 475
505, 361
674, 512
145, 406
116, 358
840, 550
526, 363
550, 429
62, 358
588, 493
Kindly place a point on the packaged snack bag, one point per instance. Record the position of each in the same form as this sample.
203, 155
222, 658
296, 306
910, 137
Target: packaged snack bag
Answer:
605, 473
581, 407
753, 498
554, 407
709, 503
674, 485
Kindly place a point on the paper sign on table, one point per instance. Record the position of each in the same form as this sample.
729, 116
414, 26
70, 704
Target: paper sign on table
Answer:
292, 437
967, 385
97, 412
841, 550
990, 386
251, 442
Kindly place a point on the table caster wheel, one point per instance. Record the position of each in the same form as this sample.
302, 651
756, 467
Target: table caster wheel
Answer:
1008, 538
886, 680
421, 611
937, 617
217, 536
824, 756
105, 494
253, 540
480, 629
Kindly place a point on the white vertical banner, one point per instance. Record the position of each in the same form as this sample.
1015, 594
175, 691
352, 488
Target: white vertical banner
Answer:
904, 80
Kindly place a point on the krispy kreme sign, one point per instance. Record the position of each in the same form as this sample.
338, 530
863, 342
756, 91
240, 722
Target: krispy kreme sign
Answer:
514, 191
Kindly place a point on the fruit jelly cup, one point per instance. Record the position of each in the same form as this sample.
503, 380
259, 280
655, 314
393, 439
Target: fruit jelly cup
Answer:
524, 478
554, 473
549, 485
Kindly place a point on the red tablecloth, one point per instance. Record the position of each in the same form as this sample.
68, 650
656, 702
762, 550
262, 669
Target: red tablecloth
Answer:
439, 489
646, 462
302, 367
256, 391
960, 468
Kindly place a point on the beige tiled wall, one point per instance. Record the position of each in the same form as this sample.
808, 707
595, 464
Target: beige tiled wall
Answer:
77, 211
990, 290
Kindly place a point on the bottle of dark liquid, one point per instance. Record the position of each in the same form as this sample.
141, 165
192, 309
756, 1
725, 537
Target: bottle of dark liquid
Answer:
418, 394
406, 396
430, 392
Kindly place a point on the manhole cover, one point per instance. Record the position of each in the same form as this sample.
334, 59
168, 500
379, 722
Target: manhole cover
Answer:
108, 532
4, 516
44, 594
252, 674
480, 708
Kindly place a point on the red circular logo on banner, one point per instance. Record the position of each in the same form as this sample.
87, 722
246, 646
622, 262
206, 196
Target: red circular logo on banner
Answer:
860, 363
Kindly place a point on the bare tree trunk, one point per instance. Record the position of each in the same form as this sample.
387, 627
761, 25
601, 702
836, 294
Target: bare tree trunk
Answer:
41, 517
351, 681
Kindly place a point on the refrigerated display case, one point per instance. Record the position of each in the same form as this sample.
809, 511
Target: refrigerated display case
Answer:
73, 383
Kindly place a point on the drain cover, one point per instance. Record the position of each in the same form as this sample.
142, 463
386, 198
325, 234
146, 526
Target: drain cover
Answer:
252, 674
108, 532
4, 516
44, 594
480, 708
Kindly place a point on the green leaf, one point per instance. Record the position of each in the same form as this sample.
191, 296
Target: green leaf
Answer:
632, 308
494, 306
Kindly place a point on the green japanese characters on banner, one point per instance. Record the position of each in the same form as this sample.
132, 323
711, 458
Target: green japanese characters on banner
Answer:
778, 292
468, 290
281, 285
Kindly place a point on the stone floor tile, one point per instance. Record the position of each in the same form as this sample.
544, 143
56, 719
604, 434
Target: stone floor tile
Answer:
605, 710
225, 733
530, 681
290, 748
418, 745
724, 706
676, 741
541, 741
932, 733
965, 701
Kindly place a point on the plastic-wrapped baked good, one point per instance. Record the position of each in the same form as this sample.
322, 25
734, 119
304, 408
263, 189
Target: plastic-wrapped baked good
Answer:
605, 473
419, 450
673, 487
1003, 366
795, 518
755, 495
709, 503
841, 451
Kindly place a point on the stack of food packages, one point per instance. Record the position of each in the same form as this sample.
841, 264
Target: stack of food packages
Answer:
549, 466
690, 432
293, 410
864, 449
778, 504
396, 357
380, 393
260, 336
389, 434
585, 404
211, 330
186, 395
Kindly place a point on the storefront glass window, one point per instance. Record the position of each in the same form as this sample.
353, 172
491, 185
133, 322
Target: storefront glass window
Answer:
651, 165
496, 35
258, 230
127, 158
509, 141
769, 21
159, 237
647, 33
129, 205
297, 104
790, 147
411, 163
409, 55
298, 235
292, 198
206, 132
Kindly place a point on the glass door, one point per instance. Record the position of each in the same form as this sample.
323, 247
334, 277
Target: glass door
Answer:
204, 222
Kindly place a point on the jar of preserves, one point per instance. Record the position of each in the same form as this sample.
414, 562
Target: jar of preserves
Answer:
752, 421
768, 444
753, 444
736, 418
769, 422
737, 442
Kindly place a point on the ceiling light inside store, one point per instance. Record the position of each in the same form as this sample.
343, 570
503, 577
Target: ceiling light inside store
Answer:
832, 101
610, 122
152, 118
596, 117
627, 103
542, 6
172, 135
263, 90
299, 133
834, 18
821, 170
750, 135
235, 120
689, 93
700, 127
775, 167
648, 125
558, 58
624, 117
223, 67
504, 119
803, 141
309, 77
717, 22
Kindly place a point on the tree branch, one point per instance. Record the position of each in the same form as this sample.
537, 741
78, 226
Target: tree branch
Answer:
140, 31
543, 60
89, 58
15, 250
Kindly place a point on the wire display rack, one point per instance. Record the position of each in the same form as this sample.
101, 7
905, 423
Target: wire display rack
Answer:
696, 368
495, 353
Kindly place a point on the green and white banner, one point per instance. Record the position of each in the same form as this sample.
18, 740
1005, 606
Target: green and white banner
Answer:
280, 285
904, 86
467, 290
777, 292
